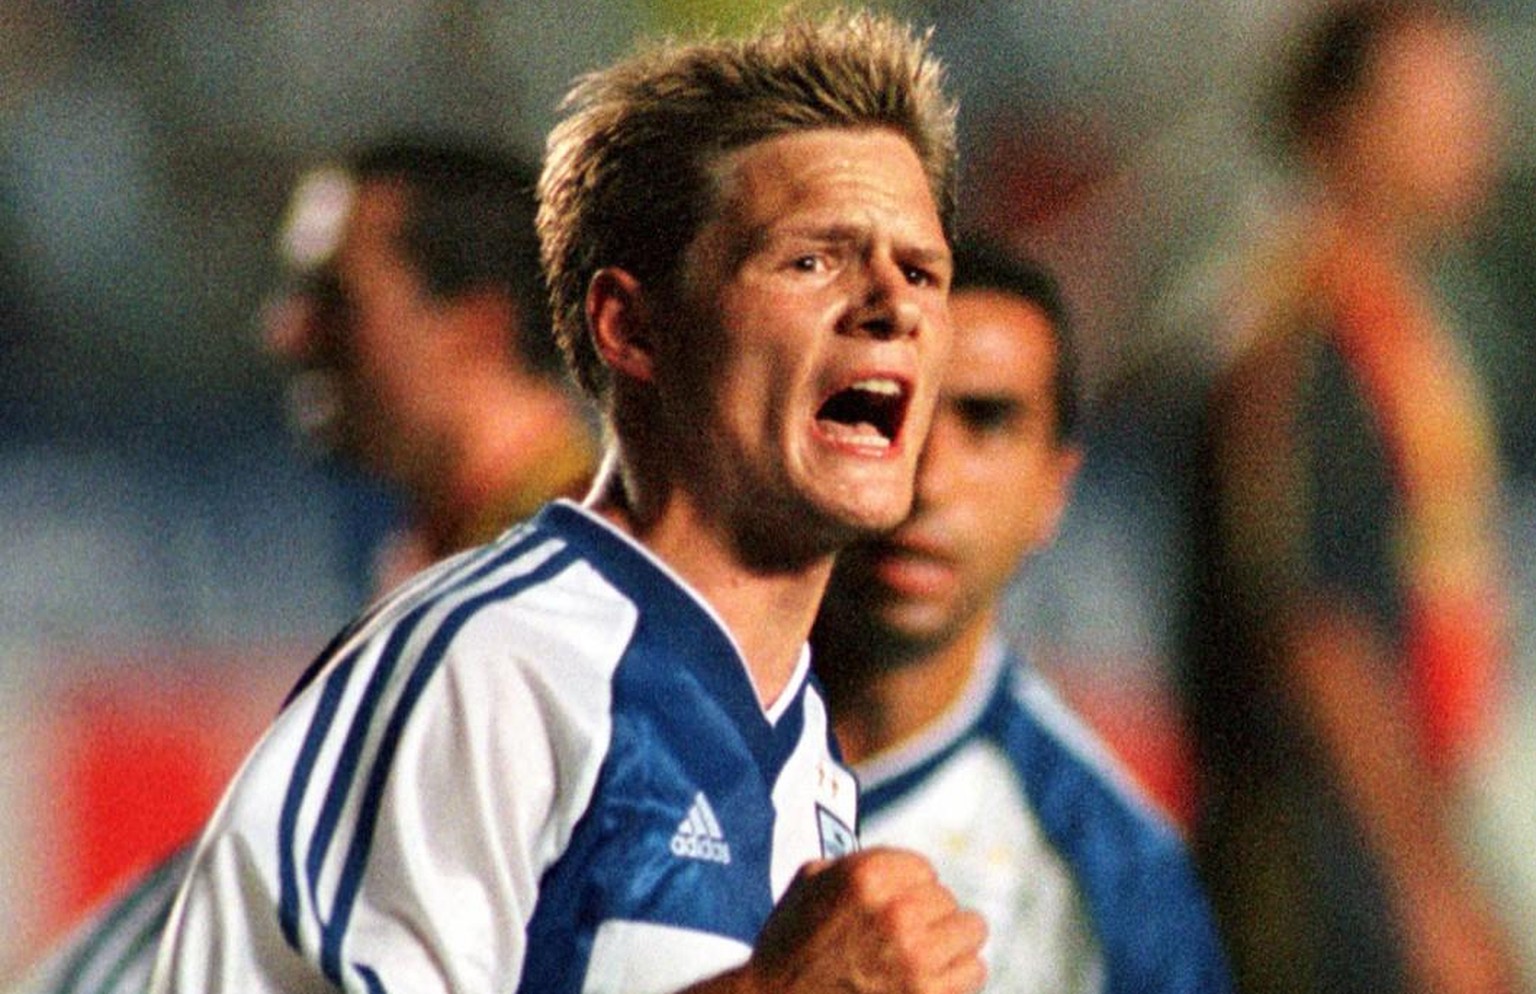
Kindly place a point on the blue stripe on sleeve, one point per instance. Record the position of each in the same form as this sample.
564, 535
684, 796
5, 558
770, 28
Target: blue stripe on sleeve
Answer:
430, 659
320, 728
325, 715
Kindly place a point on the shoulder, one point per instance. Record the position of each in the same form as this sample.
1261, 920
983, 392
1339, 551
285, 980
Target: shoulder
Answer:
498, 613
1129, 861
501, 659
1066, 764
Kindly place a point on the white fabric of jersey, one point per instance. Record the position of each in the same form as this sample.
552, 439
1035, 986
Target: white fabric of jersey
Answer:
986, 846
1026, 817
541, 766
112, 950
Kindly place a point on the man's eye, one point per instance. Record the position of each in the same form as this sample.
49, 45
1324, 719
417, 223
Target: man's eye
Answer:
987, 415
918, 276
809, 263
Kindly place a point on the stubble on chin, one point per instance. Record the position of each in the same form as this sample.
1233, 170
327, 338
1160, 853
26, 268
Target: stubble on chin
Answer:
798, 537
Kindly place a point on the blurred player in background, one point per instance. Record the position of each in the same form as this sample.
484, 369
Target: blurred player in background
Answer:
421, 352
590, 756
964, 753
414, 319
1350, 634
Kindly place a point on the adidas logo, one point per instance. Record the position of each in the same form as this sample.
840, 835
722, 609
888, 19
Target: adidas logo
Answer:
699, 836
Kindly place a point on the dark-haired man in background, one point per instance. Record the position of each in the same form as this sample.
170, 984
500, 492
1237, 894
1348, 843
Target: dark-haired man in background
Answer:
964, 753
416, 327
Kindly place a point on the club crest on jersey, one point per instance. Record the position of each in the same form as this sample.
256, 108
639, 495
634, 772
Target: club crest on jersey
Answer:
837, 839
698, 835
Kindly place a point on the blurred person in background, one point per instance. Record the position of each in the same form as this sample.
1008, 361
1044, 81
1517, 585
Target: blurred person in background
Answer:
415, 328
964, 752
415, 323
1349, 632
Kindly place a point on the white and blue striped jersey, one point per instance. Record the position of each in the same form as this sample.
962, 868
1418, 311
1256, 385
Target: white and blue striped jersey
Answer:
112, 951
1086, 889
542, 766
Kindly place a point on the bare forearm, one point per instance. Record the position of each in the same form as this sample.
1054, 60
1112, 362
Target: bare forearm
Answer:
1335, 665
1455, 944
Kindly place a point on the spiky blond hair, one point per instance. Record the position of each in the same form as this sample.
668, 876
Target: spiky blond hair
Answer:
627, 180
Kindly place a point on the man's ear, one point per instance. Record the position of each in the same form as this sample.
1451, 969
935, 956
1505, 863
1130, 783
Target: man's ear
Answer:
619, 316
1068, 459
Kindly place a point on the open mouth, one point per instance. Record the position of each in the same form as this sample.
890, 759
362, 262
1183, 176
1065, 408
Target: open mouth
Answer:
867, 413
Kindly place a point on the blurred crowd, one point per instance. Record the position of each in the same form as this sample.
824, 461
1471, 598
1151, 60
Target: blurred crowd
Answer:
1235, 252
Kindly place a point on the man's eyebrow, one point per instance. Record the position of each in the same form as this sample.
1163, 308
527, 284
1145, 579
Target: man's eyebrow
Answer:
826, 231
929, 255
843, 233
1012, 406
768, 233
846, 232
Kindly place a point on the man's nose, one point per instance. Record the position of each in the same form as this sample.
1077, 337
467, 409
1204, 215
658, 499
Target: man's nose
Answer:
890, 309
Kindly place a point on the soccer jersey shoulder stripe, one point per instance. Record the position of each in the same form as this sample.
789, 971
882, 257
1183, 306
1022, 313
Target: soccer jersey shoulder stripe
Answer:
1081, 742
1148, 911
404, 610
473, 582
342, 658
400, 637
431, 658
368, 617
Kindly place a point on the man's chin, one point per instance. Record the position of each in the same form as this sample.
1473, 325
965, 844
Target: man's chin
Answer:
869, 519
898, 637
818, 529
893, 613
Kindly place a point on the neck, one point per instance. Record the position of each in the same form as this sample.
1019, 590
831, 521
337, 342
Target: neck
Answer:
767, 611
505, 445
880, 704
1363, 217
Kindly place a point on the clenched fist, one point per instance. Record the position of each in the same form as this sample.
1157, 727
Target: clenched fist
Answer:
875, 922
